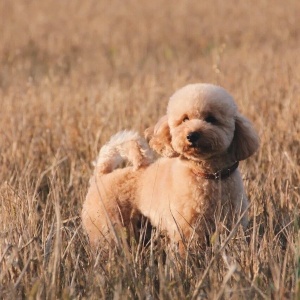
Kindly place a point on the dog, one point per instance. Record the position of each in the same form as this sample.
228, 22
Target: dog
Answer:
193, 186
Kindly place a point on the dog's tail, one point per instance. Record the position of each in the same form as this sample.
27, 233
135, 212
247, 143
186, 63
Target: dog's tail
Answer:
123, 146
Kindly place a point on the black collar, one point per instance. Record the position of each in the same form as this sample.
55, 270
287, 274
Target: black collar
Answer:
221, 174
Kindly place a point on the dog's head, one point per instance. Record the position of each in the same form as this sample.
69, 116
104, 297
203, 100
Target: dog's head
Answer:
202, 121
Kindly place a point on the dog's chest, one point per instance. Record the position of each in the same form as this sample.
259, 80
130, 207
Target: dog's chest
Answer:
207, 193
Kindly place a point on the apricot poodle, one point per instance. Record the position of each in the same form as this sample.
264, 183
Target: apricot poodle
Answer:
195, 185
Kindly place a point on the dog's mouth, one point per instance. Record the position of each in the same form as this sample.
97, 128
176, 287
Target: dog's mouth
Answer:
199, 145
198, 148
194, 145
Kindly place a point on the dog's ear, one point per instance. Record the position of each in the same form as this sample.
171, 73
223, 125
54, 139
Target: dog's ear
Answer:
159, 138
245, 141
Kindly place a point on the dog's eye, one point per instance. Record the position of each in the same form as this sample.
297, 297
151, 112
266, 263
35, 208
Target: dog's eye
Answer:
186, 118
211, 119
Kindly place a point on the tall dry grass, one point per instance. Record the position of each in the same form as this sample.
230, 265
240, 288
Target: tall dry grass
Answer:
72, 73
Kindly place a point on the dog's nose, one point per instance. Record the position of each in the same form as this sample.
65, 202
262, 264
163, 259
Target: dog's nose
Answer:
193, 137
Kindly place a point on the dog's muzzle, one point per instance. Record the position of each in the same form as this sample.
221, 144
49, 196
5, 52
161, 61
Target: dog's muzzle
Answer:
193, 138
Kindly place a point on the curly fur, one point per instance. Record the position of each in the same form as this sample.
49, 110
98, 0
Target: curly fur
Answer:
202, 132
125, 145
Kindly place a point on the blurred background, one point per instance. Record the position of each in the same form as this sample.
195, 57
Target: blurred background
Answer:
78, 65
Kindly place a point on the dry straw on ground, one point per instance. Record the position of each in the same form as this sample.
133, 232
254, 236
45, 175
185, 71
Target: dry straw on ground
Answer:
72, 73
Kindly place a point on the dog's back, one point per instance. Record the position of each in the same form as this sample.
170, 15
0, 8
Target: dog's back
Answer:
112, 190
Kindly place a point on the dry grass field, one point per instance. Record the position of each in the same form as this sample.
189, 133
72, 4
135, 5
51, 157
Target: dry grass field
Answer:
72, 73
